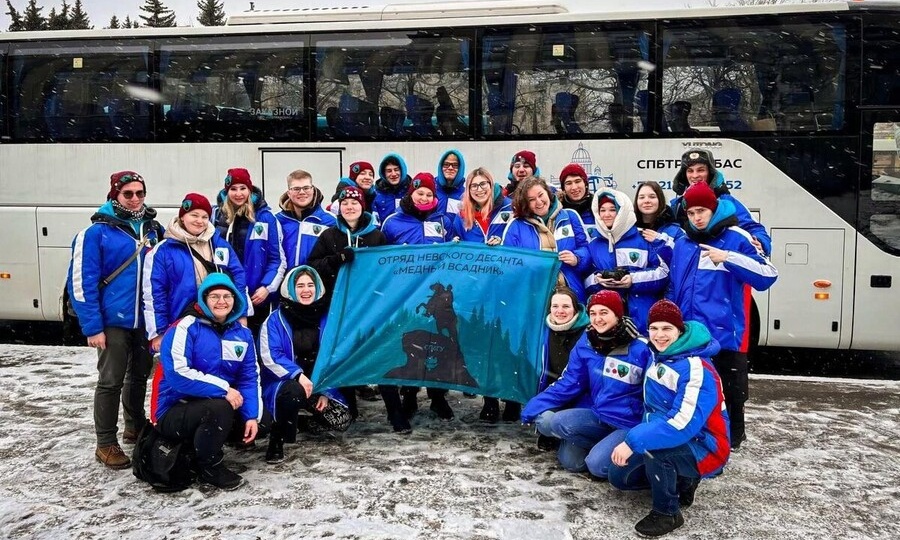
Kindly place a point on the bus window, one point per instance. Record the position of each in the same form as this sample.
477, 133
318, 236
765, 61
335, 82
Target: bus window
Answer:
3, 135
232, 89
563, 81
883, 208
78, 92
393, 85
881, 61
788, 77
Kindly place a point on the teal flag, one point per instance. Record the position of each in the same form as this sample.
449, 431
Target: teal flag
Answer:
461, 316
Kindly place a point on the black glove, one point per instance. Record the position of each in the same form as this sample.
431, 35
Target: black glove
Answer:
347, 255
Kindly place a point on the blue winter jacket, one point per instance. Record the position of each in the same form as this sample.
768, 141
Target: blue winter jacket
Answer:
276, 347
387, 196
745, 219
402, 228
299, 235
649, 272
97, 252
569, 234
264, 262
450, 196
170, 285
501, 214
717, 295
202, 359
614, 382
683, 403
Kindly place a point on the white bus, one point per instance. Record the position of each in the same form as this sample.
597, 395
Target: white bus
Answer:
799, 103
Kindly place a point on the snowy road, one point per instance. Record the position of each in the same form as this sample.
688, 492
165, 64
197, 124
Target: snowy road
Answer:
823, 461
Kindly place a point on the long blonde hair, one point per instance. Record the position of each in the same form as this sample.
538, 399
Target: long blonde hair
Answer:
468, 210
246, 209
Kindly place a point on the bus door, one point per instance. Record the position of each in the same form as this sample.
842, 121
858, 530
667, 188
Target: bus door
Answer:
877, 282
324, 164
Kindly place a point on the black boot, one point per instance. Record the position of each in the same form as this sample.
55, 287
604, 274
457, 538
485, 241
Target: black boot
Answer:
657, 524
440, 406
490, 412
394, 407
547, 444
512, 411
220, 476
410, 400
275, 452
686, 489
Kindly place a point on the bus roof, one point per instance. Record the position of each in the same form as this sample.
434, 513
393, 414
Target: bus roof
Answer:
399, 15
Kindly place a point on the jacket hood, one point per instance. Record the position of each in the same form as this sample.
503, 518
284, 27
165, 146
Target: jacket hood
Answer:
365, 226
460, 176
287, 285
404, 170
219, 279
695, 341
724, 216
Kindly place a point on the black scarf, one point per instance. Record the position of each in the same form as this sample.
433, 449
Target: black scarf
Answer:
304, 322
710, 233
582, 207
623, 334
128, 215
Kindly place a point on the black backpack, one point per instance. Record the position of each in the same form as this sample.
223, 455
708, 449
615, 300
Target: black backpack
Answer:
164, 464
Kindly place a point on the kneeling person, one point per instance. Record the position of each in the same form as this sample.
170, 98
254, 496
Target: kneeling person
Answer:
684, 435
288, 346
208, 379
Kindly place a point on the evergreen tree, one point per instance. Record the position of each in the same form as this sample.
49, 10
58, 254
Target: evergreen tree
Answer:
158, 15
212, 13
15, 18
79, 20
33, 20
59, 21
129, 23
114, 22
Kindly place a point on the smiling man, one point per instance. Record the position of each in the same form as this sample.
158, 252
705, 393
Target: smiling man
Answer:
303, 217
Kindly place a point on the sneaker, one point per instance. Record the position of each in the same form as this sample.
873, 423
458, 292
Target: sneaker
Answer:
490, 412
548, 444
441, 408
275, 452
512, 411
112, 456
129, 436
658, 524
686, 493
221, 477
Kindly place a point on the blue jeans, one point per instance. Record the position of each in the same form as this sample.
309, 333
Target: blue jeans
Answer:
587, 443
666, 472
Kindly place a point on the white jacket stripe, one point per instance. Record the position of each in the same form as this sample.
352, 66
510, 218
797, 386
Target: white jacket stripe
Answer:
77, 263
265, 353
691, 394
180, 361
282, 260
739, 259
147, 286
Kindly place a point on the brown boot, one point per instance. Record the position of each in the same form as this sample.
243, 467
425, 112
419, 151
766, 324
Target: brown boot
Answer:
129, 436
112, 456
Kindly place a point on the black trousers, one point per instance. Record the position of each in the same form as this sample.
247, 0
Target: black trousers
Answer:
292, 398
206, 422
733, 368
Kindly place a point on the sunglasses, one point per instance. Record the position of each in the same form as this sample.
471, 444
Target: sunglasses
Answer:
132, 194
450, 165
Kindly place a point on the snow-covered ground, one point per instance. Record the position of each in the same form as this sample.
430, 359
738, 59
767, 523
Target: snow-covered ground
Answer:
822, 461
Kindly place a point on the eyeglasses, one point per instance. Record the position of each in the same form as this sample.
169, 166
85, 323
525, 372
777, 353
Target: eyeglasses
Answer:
300, 189
133, 194
217, 297
450, 165
480, 186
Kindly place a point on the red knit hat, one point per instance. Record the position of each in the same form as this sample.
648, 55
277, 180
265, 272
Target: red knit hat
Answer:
194, 201
119, 179
352, 192
572, 169
666, 311
609, 299
238, 176
606, 199
359, 166
700, 194
525, 156
423, 179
